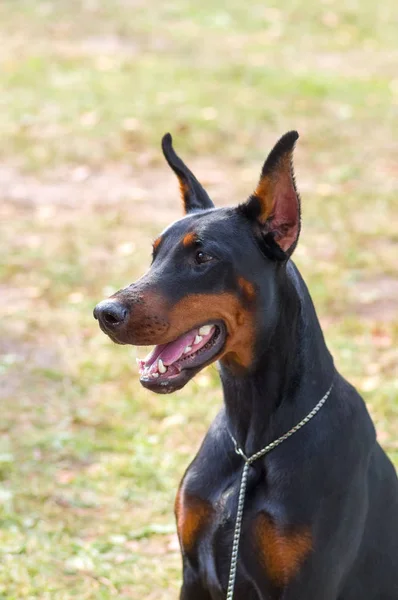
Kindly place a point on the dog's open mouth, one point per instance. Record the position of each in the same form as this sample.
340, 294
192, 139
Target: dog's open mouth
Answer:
170, 366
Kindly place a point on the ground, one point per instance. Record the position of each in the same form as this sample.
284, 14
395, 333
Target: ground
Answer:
90, 461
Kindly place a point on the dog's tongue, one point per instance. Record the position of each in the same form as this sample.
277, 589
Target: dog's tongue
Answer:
170, 354
172, 351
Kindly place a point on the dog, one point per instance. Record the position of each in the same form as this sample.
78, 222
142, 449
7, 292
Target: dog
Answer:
290, 496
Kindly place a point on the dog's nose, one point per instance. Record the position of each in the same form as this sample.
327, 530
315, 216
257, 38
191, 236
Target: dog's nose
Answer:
110, 313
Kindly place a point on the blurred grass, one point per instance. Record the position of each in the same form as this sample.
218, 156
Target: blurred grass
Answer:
89, 461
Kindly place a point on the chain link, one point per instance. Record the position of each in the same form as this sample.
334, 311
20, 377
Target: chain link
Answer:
249, 460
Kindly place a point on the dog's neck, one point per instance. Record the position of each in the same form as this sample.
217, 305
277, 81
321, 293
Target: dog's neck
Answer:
289, 378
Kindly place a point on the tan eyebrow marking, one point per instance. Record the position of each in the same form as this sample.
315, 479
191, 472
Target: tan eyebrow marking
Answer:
189, 239
156, 243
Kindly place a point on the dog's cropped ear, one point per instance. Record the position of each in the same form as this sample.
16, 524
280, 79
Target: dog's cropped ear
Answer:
194, 196
275, 204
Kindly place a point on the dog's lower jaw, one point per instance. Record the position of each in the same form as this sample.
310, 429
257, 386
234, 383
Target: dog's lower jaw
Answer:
168, 386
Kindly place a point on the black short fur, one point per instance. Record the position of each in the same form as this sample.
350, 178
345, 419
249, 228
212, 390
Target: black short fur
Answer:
331, 479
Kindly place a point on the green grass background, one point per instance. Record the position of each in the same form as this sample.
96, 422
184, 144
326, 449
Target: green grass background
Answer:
89, 461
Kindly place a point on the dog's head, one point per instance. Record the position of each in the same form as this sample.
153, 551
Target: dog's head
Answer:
213, 288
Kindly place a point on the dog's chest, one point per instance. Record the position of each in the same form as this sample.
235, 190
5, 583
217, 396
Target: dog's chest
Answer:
206, 530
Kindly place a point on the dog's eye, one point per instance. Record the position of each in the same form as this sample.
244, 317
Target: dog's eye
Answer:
201, 257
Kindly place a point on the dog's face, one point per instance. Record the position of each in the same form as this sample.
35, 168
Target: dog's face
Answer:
214, 278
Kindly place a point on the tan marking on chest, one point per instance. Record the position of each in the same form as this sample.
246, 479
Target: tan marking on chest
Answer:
192, 514
281, 551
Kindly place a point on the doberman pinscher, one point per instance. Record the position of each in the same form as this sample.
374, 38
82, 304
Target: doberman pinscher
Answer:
320, 513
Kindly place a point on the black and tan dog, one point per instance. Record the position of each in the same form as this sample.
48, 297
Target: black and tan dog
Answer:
320, 519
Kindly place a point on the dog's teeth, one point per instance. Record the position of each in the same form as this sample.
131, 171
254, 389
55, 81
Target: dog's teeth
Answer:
155, 375
161, 367
198, 339
205, 329
188, 349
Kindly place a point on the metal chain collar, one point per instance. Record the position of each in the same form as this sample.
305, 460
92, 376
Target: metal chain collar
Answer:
242, 490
